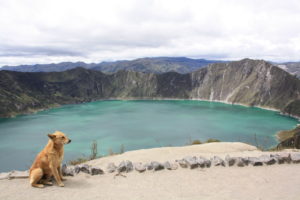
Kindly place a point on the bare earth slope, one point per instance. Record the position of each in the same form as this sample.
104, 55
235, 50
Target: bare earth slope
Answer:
264, 182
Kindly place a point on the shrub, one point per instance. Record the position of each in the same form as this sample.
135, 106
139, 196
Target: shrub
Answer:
210, 140
196, 142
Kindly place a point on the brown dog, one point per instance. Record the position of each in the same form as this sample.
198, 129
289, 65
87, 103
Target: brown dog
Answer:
48, 161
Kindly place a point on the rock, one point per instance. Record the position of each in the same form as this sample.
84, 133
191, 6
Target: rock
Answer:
4, 175
167, 165
203, 162
139, 167
286, 157
266, 159
182, 163
295, 157
125, 166
279, 159
191, 162
157, 166
255, 161
129, 166
148, 166
68, 170
96, 171
217, 161
240, 162
76, 169
19, 174
174, 166
85, 168
246, 161
230, 161
111, 167
121, 167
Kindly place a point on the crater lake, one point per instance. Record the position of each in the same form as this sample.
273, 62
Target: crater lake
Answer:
135, 124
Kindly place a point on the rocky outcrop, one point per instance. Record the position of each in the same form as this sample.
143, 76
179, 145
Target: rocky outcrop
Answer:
248, 82
289, 138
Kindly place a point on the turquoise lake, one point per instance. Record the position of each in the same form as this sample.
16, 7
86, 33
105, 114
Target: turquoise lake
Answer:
135, 125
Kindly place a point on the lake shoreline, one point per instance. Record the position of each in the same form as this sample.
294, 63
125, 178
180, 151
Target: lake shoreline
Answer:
33, 111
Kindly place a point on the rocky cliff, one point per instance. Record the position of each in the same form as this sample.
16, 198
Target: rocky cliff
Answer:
249, 82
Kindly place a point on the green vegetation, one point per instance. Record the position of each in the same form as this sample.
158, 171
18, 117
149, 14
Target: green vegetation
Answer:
94, 154
210, 140
196, 142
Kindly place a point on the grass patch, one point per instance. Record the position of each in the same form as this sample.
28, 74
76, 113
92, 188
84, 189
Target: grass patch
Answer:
94, 154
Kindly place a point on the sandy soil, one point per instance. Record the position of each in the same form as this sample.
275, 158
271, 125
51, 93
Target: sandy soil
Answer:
266, 182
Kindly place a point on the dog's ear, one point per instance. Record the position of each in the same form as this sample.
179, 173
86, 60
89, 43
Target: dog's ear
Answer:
51, 136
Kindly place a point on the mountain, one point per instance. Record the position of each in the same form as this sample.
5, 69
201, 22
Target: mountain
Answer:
148, 65
156, 65
291, 67
248, 82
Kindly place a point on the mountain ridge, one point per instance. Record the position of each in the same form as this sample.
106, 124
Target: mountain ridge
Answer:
147, 64
248, 82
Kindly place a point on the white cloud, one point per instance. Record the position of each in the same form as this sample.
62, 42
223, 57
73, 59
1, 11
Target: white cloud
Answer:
43, 31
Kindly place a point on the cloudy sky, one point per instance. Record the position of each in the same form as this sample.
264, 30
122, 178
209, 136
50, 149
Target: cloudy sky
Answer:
40, 31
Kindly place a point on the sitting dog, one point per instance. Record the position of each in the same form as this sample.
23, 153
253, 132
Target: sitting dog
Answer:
48, 161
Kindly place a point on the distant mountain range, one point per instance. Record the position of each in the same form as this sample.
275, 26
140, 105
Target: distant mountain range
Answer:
291, 67
148, 65
248, 82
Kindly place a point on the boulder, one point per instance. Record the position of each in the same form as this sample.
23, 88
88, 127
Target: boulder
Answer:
4, 175
68, 170
111, 167
230, 161
191, 162
203, 162
174, 166
266, 159
148, 166
295, 157
246, 161
139, 167
129, 166
125, 166
157, 166
255, 161
279, 159
285, 156
240, 162
85, 168
19, 174
167, 165
217, 161
96, 171
77, 169
182, 163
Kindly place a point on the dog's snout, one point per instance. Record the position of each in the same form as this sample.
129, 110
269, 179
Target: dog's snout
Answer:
69, 141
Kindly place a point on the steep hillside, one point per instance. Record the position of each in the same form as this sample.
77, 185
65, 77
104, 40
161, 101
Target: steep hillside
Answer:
249, 82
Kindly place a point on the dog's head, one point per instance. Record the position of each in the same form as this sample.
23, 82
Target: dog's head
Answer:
59, 138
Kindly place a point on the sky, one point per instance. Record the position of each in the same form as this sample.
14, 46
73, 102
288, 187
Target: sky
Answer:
52, 31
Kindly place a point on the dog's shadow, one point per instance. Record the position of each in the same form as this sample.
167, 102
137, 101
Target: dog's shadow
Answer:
72, 183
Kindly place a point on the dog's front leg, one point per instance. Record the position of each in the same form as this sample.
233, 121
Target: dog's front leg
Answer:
56, 175
60, 173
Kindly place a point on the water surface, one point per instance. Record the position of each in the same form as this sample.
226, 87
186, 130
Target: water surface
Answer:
135, 125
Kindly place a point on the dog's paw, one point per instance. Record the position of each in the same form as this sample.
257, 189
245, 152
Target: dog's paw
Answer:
38, 185
48, 183
61, 185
